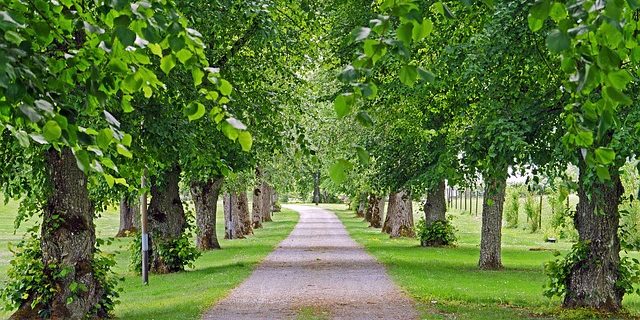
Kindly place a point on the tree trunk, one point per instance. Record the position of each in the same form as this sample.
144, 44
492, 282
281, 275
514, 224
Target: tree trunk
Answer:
243, 212
266, 207
399, 220
369, 211
68, 242
435, 209
205, 199
233, 224
257, 208
491, 237
376, 204
316, 187
166, 218
362, 206
129, 217
592, 282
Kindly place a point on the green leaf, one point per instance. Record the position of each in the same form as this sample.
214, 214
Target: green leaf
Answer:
616, 96
184, 55
109, 178
364, 118
167, 63
421, 30
126, 139
82, 160
343, 104
603, 173
363, 155
155, 49
104, 138
404, 33
126, 36
558, 41
426, 75
124, 151
584, 138
558, 11
619, 79
408, 75
51, 131
197, 75
225, 87
361, 33
537, 14
605, 156
245, 140
195, 111
13, 37
338, 171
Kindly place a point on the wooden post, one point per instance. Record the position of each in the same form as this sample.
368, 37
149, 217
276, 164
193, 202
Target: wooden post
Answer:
145, 232
477, 200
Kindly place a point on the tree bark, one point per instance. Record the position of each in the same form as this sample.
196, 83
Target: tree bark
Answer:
68, 242
316, 187
491, 237
166, 217
267, 205
399, 220
592, 282
243, 212
362, 206
376, 203
435, 209
129, 217
257, 208
233, 226
369, 211
205, 199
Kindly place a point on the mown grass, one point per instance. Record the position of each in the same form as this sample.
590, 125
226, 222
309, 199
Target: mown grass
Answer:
446, 283
183, 295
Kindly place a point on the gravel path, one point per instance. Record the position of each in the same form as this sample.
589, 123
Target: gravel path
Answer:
318, 270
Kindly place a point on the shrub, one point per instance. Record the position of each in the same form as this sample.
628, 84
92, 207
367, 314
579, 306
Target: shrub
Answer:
437, 233
176, 253
512, 208
561, 218
532, 210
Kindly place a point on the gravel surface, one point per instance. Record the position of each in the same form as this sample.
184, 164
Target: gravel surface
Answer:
319, 271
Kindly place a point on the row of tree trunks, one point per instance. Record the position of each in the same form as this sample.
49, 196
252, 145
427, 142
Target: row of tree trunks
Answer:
491, 236
67, 241
129, 216
166, 217
592, 282
267, 203
236, 216
205, 199
375, 211
399, 220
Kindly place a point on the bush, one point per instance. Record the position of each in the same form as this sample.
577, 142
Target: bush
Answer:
437, 233
512, 208
176, 253
30, 282
532, 210
561, 218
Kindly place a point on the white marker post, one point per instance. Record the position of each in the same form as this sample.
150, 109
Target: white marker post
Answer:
145, 233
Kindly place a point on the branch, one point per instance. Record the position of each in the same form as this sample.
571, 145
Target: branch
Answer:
238, 45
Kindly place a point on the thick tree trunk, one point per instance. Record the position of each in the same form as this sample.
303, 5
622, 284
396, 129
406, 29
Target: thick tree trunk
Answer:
592, 282
166, 217
491, 237
435, 209
129, 217
68, 242
243, 212
233, 226
316, 187
369, 211
376, 204
399, 220
362, 206
257, 208
205, 199
267, 205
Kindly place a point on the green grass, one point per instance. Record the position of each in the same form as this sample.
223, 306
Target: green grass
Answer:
447, 284
184, 295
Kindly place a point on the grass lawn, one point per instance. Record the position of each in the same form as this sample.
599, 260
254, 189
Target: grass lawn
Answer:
184, 295
446, 283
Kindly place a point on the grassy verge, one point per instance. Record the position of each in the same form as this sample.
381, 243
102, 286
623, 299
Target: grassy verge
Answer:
446, 283
184, 295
